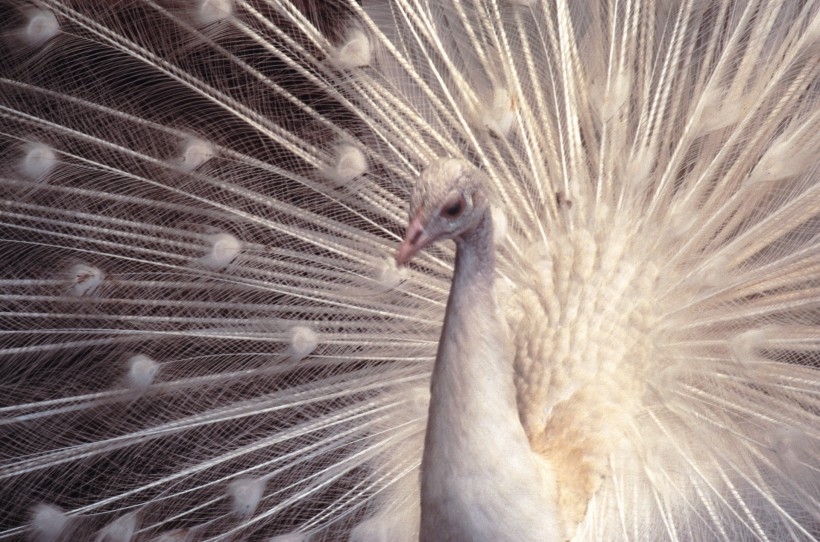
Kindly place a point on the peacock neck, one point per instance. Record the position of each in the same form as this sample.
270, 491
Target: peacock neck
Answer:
474, 271
471, 364
474, 443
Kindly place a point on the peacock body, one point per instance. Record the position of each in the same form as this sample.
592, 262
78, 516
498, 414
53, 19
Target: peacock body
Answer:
204, 334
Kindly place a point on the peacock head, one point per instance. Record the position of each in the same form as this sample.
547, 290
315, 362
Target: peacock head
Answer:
446, 202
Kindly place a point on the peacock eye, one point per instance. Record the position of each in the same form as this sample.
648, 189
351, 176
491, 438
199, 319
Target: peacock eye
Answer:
453, 209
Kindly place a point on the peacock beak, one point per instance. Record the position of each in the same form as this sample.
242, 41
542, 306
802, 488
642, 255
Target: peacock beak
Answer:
415, 239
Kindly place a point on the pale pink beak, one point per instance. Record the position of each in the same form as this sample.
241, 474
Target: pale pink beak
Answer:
415, 239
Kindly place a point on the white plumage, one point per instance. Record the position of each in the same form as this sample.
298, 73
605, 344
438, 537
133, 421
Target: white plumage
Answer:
204, 334
480, 477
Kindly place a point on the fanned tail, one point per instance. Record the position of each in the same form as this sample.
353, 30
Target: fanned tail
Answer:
204, 333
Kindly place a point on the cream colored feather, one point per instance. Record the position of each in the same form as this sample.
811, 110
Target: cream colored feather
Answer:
203, 331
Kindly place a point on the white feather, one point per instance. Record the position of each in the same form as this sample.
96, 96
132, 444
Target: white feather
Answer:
222, 185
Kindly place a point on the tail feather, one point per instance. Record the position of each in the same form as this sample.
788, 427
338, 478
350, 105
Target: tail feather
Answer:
205, 335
